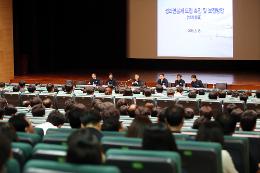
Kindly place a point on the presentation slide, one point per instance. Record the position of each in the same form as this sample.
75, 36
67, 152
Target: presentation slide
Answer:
195, 28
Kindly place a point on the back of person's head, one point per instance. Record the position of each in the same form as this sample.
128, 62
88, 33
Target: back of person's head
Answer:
128, 92
35, 101
84, 148
89, 90
210, 132
91, 118
56, 118
69, 88
222, 94
31, 88
206, 111
111, 124
199, 121
136, 129
47, 103
158, 137
101, 89
243, 97
6, 150
201, 92
228, 123
74, 115
131, 110
2, 85
38, 110
230, 108
123, 110
69, 104
50, 87
248, 120
26, 103
10, 110
16, 88
8, 131
19, 122
229, 92
22, 84
236, 114
170, 92
179, 89
110, 112
121, 102
108, 91
234, 94
189, 113
3, 102
213, 95
137, 91
147, 92
257, 94
159, 88
142, 111
192, 94
162, 116
175, 115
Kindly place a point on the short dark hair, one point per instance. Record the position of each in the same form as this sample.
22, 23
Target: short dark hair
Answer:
192, 94
257, 94
50, 87
158, 137
213, 95
5, 145
230, 108
236, 113
91, 117
194, 76
189, 113
10, 110
162, 116
147, 92
199, 121
111, 124
137, 91
101, 89
179, 75
35, 101
159, 88
175, 115
123, 110
38, 110
68, 88
84, 148
120, 102
222, 94
69, 104
22, 83
75, 114
179, 89
131, 110
234, 94
8, 131
89, 90
211, 132
56, 118
136, 129
170, 92
128, 92
243, 97
31, 88
3, 102
16, 88
248, 120
47, 103
201, 92
2, 113
162, 74
228, 123
2, 84
19, 122
206, 111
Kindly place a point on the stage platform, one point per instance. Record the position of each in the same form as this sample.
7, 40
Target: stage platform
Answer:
235, 80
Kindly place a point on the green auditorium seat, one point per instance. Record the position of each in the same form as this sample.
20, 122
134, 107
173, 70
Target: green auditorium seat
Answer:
198, 157
12, 166
59, 138
53, 152
39, 131
121, 142
29, 138
13, 98
39, 166
141, 161
60, 130
21, 152
238, 148
115, 134
165, 102
183, 137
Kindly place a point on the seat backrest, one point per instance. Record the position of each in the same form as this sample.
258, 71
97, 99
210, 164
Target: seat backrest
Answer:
109, 142
165, 102
110, 99
85, 100
189, 103
12, 98
12, 166
21, 152
200, 156
142, 161
113, 134
238, 148
30, 138
60, 130
37, 166
39, 131
53, 152
59, 138
61, 99
143, 101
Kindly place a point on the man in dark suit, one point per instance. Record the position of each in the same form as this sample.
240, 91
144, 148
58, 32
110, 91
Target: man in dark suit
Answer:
111, 81
137, 82
162, 80
195, 83
94, 80
179, 82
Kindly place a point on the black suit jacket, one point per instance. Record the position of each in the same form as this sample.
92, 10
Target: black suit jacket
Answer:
180, 83
95, 82
197, 84
111, 82
138, 83
163, 82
